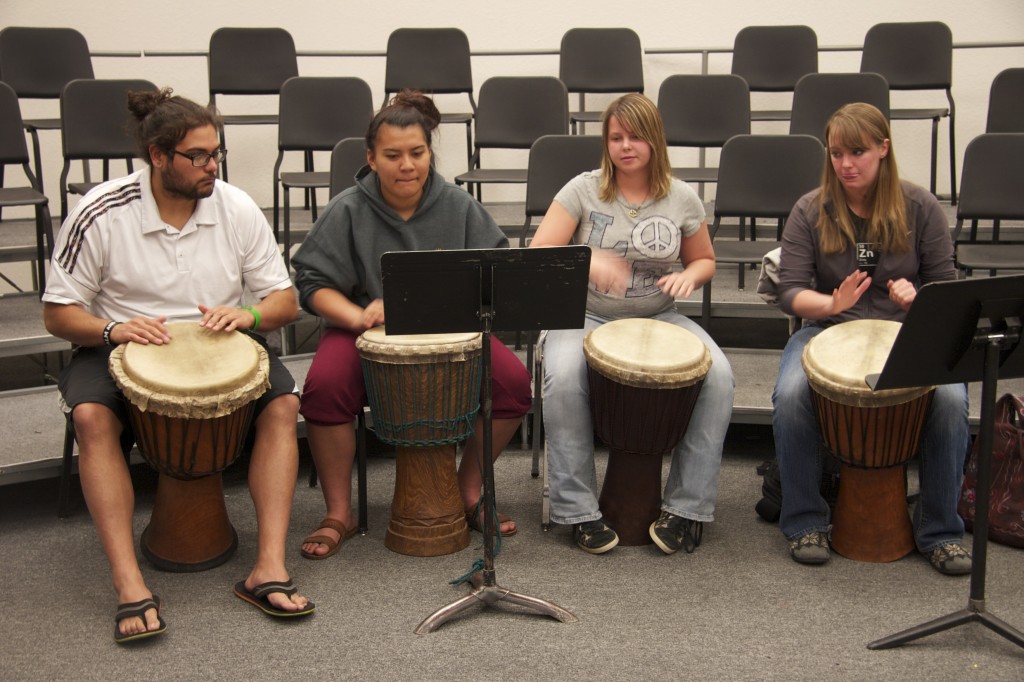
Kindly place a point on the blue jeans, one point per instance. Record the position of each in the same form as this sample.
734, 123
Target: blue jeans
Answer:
692, 484
944, 444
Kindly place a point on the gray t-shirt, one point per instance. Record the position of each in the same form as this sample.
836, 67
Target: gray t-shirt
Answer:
650, 241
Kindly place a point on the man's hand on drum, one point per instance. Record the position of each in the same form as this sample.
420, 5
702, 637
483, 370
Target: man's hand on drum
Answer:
849, 291
902, 293
678, 284
609, 272
373, 314
226, 318
142, 330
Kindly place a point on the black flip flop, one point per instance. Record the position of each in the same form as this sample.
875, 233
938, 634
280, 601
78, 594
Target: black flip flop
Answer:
137, 609
258, 598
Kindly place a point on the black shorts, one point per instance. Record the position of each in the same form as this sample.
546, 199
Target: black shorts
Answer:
87, 379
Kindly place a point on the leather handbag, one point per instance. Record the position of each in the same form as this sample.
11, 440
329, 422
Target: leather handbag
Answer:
1006, 504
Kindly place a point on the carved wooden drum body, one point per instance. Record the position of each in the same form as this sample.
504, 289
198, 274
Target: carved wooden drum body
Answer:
872, 433
424, 394
645, 376
191, 403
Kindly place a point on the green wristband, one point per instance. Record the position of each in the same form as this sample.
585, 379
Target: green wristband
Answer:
255, 317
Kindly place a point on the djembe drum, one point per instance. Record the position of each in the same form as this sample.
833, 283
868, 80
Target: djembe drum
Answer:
645, 377
191, 402
424, 394
871, 433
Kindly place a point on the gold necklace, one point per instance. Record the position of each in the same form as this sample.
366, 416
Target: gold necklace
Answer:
631, 210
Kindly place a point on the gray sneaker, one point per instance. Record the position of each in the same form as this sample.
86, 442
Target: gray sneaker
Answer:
671, 532
950, 559
810, 548
594, 537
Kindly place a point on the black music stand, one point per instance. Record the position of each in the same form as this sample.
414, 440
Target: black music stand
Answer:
485, 290
956, 332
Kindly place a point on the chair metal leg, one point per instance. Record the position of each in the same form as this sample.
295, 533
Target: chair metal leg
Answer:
65, 468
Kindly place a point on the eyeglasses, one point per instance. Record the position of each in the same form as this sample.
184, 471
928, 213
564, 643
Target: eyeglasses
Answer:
200, 159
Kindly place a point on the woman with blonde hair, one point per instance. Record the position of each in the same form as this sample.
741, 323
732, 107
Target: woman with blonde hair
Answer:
859, 247
616, 210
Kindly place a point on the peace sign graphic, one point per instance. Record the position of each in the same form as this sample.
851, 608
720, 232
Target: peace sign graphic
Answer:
656, 238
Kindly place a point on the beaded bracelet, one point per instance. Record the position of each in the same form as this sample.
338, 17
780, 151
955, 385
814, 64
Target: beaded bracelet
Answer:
106, 332
255, 317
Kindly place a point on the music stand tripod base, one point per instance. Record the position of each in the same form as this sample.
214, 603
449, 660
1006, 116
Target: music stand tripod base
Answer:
482, 286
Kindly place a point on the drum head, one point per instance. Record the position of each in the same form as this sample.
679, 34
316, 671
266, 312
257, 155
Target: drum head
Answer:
646, 353
837, 360
379, 346
200, 373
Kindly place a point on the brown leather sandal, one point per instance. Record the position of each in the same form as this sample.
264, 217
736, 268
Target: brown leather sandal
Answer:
332, 545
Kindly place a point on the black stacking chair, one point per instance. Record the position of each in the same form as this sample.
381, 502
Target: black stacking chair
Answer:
94, 114
773, 59
14, 152
818, 95
916, 55
1006, 102
703, 111
249, 61
599, 60
760, 176
348, 157
37, 63
315, 113
435, 61
512, 113
991, 190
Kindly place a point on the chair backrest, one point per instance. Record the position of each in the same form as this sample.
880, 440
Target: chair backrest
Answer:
1006, 102
915, 55
762, 176
94, 114
554, 161
514, 111
992, 178
704, 110
39, 62
818, 95
314, 113
432, 60
348, 157
13, 148
774, 58
250, 61
601, 60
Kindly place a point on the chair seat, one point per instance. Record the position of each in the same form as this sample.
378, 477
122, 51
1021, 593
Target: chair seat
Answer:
81, 188
1001, 256
41, 124
306, 179
917, 114
21, 196
586, 116
728, 251
696, 174
492, 175
250, 119
466, 118
771, 115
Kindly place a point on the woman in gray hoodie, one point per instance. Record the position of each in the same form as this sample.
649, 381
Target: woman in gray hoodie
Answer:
399, 203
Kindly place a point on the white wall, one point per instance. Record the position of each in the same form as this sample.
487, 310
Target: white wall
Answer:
186, 25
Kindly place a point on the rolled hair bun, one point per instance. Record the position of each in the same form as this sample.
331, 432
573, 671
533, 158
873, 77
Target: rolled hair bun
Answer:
421, 103
142, 103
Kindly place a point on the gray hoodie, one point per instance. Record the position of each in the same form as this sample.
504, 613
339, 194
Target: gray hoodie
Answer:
343, 250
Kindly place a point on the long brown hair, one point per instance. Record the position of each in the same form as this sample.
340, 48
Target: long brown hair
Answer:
850, 127
640, 116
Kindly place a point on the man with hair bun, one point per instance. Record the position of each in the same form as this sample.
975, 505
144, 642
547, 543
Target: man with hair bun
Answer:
171, 242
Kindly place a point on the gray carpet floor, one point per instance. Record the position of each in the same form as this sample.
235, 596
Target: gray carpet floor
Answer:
736, 609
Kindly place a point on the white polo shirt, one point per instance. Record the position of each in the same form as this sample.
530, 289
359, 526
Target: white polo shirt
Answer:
115, 256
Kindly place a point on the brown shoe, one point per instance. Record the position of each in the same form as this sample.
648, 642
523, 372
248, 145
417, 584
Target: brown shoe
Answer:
332, 545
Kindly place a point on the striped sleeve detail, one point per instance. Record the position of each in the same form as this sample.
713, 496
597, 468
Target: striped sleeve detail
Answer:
87, 217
